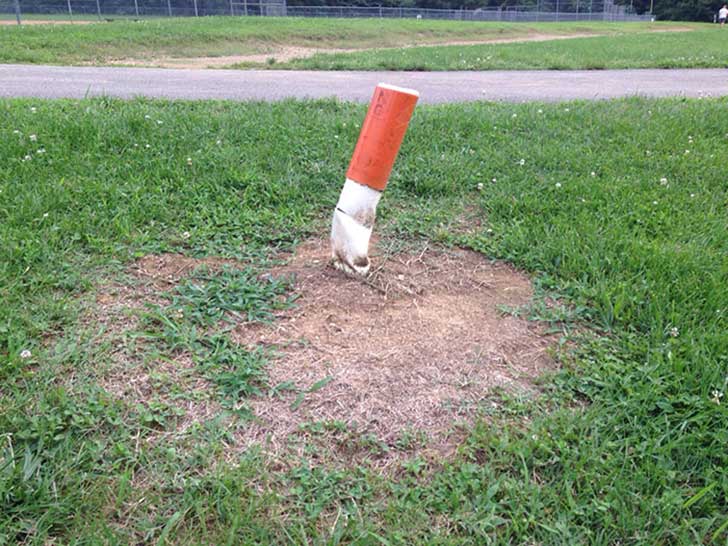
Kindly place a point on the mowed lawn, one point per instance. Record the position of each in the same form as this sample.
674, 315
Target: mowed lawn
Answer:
154, 40
616, 209
700, 48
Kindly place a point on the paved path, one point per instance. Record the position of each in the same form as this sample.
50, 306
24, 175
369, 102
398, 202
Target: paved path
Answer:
434, 87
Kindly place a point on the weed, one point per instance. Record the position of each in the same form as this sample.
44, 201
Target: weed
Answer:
232, 294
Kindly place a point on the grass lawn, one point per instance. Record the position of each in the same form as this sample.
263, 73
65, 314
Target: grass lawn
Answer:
616, 209
148, 40
704, 48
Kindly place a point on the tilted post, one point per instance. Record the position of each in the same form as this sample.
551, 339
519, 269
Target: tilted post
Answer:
371, 163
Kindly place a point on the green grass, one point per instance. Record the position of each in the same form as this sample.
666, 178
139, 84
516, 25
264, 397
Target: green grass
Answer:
625, 445
704, 48
152, 39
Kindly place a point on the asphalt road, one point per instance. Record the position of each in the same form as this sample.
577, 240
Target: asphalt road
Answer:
434, 87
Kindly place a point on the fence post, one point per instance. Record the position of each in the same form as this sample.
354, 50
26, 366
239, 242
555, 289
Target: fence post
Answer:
17, 11
245, 7
136, 7
70, 11
98, 9
232, 11
169, 8
195, 5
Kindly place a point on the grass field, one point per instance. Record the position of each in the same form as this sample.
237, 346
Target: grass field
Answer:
703, 48
155, 42
617, 210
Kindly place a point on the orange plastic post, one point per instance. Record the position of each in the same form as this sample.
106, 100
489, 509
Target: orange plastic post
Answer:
381, 135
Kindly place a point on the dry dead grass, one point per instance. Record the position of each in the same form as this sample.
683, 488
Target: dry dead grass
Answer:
411, 353
136, 374
417, 348
45, 22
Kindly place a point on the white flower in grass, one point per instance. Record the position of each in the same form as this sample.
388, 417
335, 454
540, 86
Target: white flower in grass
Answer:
522, 162
514, 116
539, 111
663, 181
147, 117
147, 146
692, 195
33, 110
566, 109
159, 122
480, 186
716, 395
45, 215
40, 151
28, 157
25, 354
489, 230
218, 142
674, 332
654, 202
16, 132
687, 152
558, 184
186, 235
33, 138
189, 161
593, 173
494, 180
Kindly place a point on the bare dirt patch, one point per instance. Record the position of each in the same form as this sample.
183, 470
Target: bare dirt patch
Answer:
279, 55
378, 369
43, 22
416, 349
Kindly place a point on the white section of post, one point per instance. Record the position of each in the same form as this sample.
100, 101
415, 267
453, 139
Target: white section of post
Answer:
352, 226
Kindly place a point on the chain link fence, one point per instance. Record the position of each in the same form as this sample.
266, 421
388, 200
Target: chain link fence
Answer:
590, 11
45, 11
89, 10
